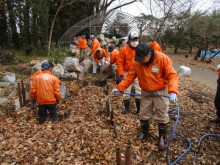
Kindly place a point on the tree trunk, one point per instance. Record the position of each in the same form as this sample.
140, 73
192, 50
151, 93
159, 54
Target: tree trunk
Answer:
51, 28
190, 49
15, 36
3, 25
27, 36
176, 50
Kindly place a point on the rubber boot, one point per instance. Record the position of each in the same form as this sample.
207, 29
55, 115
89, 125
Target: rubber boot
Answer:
138, 104
145, 126
126, 109
162, 136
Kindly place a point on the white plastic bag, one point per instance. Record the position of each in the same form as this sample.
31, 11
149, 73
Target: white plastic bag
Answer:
9, 77
184, 71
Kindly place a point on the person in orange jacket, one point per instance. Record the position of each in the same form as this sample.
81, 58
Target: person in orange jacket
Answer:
45, 89
82, 46
99, 57
114, 55
125, 60
156, 76
153, 44
217, 98
95, 46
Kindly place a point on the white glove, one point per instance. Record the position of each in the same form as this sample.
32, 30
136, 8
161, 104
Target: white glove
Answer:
218, 67
107, 62
115, 91
173, 97
99, 64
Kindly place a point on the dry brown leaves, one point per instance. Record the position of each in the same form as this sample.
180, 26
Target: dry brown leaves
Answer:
84, 136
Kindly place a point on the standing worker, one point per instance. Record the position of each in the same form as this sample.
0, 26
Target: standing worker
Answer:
156, 76
82, 46
125, 60
45, 89
114, 54
153, 44
217, 98
95, 46
99, 57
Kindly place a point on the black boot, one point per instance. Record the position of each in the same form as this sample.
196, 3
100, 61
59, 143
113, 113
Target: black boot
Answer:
145, 126
126, 104
138, 104
162, 136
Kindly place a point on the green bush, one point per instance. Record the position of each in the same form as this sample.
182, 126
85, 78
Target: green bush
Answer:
57, 55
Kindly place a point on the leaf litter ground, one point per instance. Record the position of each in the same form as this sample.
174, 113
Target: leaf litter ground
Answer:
83, 135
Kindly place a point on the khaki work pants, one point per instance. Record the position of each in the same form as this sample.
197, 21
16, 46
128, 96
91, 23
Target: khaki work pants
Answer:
155, 106
128, 90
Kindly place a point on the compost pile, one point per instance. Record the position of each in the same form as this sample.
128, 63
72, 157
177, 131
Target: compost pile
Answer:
83, 135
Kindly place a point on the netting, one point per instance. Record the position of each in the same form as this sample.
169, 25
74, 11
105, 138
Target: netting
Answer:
95, 21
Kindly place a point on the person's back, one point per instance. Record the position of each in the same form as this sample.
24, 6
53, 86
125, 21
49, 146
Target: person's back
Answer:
47, 88
153, 44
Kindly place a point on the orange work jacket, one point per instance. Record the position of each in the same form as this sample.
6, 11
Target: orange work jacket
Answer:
114, 56
95, 46
82, 44
158, 75
103, 54
125, 60
154, 45
219, 73
45, 89
37, 73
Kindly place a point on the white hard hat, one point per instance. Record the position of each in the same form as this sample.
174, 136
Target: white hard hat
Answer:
133, 35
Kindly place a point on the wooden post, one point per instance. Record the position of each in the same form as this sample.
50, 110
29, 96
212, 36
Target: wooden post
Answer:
23, 92
19, 94
118, 156
128, 155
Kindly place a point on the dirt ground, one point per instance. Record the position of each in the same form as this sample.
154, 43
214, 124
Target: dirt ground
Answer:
83, 135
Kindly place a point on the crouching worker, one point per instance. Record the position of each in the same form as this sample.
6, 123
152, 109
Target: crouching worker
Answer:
45, 89
101, 57
156, 76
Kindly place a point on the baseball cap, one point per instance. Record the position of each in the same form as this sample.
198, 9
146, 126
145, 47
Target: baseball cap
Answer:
133, 35
45, 65
92, 36
141, 51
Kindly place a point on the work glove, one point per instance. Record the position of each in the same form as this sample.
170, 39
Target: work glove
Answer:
107, 62
119, 79
99, 64
173, 97
115, 91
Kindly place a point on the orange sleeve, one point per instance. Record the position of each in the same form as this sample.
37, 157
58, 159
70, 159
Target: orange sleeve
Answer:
95, 46
33, 90
171, 76
155, 46
114, 57
121, 61
104, 54
128, 80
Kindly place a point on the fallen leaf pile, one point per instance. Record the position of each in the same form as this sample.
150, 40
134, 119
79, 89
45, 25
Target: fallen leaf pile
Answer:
83, 135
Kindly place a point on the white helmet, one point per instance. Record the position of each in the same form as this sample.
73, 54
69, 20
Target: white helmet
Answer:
133, 35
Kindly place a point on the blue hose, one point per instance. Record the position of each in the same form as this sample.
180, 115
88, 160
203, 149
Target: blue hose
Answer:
174, 132
199, 143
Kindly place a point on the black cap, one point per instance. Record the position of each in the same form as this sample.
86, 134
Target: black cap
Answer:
45, 65
141, 51
111, 48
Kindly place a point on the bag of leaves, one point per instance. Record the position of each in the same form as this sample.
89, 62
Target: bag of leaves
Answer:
58, 70
107, 72
71, 64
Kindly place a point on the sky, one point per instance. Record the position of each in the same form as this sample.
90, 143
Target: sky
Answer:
137, 8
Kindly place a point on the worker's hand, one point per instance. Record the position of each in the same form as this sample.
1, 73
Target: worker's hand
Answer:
173, 97
119, 79
107, 62
115, 91
99, 64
